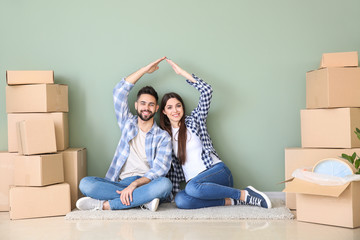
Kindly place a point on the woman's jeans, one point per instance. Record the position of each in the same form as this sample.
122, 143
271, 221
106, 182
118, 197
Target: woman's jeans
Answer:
209, 188
103, 189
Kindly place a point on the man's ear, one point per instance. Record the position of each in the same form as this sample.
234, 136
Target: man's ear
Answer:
136, 105
157, 107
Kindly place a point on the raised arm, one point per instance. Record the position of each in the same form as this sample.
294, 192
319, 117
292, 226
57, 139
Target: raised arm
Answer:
205, 90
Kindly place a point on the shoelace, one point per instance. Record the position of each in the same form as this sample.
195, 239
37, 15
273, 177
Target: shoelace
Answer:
255, 201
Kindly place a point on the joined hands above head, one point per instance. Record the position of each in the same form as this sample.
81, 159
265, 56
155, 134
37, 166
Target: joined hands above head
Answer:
153, 66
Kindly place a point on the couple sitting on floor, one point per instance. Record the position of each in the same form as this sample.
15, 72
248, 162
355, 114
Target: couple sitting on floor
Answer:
151, 161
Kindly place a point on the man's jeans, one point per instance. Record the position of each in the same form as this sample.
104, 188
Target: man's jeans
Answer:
103, 189
209, 188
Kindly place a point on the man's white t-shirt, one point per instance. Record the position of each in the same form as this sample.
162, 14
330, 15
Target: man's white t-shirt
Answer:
136, 164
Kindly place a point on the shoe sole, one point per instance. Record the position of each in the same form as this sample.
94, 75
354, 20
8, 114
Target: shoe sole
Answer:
267, 199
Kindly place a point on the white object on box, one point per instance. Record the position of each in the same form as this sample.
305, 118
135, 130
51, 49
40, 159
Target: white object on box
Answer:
334, 167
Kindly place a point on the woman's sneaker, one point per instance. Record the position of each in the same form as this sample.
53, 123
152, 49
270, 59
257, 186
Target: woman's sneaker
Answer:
152, 205
257, 198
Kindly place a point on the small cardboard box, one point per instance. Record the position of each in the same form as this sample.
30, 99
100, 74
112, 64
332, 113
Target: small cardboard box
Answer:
331, 205
29, 77
61, 128
37, 98
339, 59
330, 128
6, 178
38, 170
306, 158
74, 170
34, 202
36, 136
333, 87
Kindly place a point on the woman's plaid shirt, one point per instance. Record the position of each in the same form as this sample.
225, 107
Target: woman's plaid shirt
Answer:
196, 122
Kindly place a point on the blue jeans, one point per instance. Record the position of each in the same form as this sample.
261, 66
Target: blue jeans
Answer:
208, 189
103, 189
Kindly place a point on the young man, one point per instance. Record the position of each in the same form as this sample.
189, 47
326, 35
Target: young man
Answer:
136, 176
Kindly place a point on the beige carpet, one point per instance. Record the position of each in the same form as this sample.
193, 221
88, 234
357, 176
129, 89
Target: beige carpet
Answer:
169, 211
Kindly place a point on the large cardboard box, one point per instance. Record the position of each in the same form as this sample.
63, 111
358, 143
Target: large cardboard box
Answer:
29, 77
339, 59
6, 178
331, 205
74, 170
306, 158
333, 87
61, 128
330, 128
34, 202
37, 98
36, 136
38, 170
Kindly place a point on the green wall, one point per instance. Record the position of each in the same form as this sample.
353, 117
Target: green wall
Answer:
254, 53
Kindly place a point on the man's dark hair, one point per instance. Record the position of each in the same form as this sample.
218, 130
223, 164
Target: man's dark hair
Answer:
148, 90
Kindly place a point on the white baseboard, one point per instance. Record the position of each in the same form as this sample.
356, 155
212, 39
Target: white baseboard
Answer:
276, 195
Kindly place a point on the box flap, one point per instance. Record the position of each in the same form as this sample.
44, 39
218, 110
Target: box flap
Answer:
301, 186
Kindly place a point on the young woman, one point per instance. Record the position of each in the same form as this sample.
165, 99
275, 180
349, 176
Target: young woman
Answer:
209, 181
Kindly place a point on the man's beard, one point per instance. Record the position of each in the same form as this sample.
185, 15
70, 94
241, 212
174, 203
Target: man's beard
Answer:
145, 118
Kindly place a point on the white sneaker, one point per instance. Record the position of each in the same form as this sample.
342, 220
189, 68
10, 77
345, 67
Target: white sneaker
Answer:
152, 205
88, 203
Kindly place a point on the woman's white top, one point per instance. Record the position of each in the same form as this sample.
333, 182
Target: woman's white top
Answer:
193, 164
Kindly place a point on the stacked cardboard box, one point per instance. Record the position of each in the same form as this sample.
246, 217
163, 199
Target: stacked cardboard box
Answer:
40, 165
327, 130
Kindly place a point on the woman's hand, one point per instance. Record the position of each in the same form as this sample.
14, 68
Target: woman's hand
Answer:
180, 71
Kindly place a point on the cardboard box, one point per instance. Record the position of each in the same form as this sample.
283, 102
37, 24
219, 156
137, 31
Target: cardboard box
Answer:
36, 136
306, 158
38, 170
75, 168
331, 205
53, 200
6, 178
333, 87
29, 77
61, 128
37, 98
330, 128
339, 59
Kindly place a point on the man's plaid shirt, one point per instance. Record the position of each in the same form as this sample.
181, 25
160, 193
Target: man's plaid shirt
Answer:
196, 122
158, 145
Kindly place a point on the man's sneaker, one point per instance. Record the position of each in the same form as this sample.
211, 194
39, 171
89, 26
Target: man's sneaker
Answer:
88, 203
152, 205
257, 198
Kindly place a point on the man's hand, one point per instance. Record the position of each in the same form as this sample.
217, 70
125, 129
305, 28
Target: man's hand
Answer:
150, 68
126, 195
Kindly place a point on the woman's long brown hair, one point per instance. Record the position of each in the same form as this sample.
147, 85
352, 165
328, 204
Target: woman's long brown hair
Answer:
166, 125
